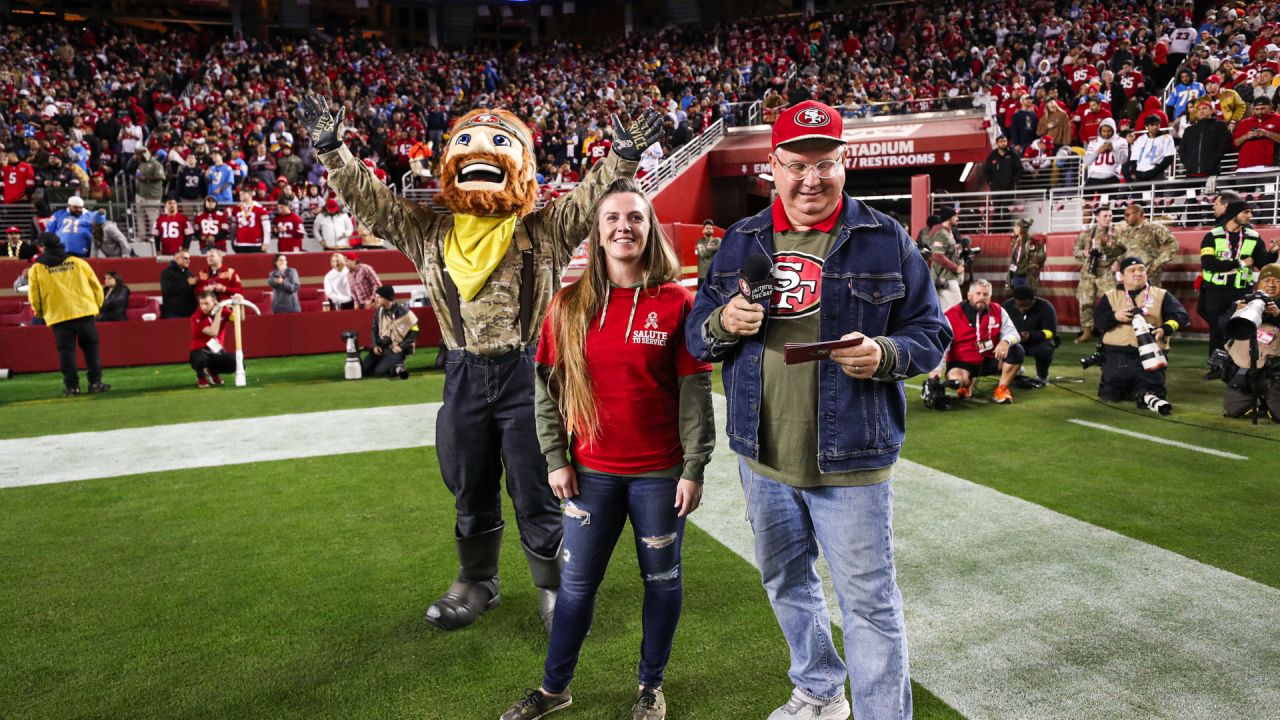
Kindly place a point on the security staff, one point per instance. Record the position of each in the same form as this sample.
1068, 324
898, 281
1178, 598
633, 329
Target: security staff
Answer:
1123, 376
1240, 396
1229, 255
65, 292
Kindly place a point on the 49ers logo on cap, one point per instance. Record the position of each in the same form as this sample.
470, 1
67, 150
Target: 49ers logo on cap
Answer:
812, 117
797, 285
486, 119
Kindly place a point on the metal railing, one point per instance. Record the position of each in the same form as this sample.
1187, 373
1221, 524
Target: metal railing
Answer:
1185, 202
675, 163
745, 114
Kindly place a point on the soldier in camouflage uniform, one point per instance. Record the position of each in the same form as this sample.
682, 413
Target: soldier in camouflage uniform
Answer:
945, 260
1026, 257
1097, 250
490, 268
1150, 242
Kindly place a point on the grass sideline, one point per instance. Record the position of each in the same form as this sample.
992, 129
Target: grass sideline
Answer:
296, 589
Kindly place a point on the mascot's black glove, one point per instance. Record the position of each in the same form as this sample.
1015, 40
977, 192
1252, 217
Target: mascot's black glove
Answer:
630, 142
324, 127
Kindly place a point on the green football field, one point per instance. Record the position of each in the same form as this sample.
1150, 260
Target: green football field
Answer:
295, 588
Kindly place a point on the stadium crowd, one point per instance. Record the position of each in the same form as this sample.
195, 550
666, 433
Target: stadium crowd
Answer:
184, 116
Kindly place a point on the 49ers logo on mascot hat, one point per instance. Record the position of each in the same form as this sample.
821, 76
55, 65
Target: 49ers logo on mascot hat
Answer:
812, 117
487, 119
797, 280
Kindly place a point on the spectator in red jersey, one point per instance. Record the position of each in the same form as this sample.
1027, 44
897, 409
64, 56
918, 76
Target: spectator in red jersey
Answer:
172, 230
251, 225
19, 179
212, 226
287, 227
1090, 118
284, 284
363, 281
222, 281
208, 354
1256, 137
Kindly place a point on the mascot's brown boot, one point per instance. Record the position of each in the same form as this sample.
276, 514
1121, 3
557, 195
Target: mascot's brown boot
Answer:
546, 577
476, 589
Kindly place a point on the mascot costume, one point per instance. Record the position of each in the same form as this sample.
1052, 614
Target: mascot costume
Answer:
490, 268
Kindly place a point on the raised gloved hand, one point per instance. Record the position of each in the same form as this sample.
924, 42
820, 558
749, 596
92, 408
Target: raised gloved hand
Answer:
631, 141
325, 128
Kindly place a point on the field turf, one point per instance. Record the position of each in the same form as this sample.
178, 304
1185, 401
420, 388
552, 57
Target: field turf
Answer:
295, 589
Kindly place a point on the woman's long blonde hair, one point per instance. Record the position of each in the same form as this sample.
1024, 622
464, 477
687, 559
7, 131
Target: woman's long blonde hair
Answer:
577, 306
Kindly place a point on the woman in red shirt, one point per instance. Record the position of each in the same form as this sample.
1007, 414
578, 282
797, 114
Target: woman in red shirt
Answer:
614, 375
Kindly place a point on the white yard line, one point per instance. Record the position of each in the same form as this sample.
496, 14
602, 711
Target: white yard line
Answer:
1154, 439
1013, 610
84, 456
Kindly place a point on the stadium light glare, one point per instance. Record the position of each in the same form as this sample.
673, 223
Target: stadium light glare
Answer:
964, 174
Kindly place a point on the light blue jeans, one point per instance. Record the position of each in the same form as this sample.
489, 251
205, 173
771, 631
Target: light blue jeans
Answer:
854, 528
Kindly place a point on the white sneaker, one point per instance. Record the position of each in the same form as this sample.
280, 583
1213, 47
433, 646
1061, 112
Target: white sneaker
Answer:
800, 707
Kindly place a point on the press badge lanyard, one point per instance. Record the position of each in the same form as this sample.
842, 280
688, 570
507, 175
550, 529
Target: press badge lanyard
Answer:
1147, 299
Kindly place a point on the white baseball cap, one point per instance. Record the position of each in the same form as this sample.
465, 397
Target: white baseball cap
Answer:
75, 201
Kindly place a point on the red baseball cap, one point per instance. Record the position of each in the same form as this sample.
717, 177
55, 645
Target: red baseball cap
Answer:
12, 229
808, 120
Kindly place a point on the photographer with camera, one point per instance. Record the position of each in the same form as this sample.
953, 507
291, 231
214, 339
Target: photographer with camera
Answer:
395, 327
1097, 250
1026, 256
1229, 255
1251, 366
1037, 325
945, 258
986, 343
1135, 321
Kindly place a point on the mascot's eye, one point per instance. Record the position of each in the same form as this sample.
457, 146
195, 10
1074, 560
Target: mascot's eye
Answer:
464, 139
501, 141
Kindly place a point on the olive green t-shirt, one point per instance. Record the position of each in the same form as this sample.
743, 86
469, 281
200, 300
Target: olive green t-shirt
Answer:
789, 393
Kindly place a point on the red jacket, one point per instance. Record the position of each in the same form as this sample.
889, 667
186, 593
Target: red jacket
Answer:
964, 346
249, 224
226, 283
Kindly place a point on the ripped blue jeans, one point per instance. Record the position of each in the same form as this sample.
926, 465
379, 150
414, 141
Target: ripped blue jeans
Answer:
593, 521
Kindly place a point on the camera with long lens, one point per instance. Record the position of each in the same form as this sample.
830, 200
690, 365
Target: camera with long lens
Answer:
1155, 403
353, 369
1244, 323
1149, 351
934, 393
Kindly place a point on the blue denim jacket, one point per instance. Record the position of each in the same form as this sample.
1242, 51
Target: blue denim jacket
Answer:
873, 281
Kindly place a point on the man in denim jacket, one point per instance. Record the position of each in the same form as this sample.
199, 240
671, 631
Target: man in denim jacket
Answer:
817, 442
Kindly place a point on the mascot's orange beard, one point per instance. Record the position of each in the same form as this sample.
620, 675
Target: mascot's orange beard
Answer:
517, 197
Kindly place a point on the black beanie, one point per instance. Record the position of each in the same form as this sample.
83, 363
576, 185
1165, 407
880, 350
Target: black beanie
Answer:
387, 292
945, 214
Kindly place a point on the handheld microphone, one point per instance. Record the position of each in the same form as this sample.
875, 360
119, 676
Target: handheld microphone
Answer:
755, 281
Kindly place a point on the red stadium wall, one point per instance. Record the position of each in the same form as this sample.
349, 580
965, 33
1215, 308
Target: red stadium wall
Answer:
30, 349
1062, 272
688, 199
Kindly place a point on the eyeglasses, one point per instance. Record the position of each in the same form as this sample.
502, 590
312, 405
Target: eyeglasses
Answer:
799, 171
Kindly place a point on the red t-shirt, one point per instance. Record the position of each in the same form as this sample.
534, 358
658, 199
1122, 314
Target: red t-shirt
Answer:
288, 230
19, 179
200, 321
1258, 151
249, 224
174, 232
635, 375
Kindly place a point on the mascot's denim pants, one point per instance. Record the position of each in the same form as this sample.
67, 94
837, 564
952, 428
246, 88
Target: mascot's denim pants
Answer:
486, 425
854, 528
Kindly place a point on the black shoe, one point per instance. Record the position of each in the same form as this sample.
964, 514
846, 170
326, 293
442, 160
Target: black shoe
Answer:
70, 392
537, 704
98, 388
402, 372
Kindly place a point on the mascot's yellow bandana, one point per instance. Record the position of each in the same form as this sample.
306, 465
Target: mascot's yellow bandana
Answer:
473, 249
